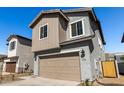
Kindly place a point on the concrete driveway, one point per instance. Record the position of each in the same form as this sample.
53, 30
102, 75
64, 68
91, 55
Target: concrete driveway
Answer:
38, 81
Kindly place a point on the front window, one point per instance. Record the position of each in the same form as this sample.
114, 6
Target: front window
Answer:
76, 29
43, 31
12, 45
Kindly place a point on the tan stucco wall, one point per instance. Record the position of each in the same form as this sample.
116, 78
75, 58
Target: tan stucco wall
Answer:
53, 34
63, 24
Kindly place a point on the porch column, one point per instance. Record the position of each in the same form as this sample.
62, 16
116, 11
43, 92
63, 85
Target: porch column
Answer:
36, 66
17, 66
4, 66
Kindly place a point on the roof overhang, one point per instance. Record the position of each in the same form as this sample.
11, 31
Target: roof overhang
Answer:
39, 16
94, 17
10, 37
101, 32
17, 36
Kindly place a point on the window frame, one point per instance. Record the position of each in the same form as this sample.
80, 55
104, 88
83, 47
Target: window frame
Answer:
82, 20
10, 46
40, 31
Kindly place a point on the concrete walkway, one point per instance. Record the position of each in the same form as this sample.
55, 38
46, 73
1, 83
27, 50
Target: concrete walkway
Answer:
38, 81
110, 81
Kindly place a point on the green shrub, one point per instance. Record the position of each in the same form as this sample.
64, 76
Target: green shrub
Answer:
88, 83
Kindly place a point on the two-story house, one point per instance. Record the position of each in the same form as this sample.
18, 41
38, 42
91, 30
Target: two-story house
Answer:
20, 56
67, 44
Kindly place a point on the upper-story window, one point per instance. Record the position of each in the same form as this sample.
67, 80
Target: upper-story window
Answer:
12, 45
77, 28
43, 32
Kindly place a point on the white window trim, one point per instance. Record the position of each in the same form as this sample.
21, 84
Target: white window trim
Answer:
82, 28
15, 45
40, 31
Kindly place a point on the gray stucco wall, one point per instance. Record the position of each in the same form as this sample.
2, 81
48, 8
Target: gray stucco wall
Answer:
25, 56
78, 16
97, 55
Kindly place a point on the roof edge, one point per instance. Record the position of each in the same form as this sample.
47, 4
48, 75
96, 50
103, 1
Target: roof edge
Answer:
17, 36
31, 25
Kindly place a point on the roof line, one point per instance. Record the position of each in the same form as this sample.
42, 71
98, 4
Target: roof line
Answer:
11, 36
31, 25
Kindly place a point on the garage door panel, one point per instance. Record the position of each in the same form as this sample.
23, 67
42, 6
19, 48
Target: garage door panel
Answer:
63, 63
60, 58
62, 72
65, 68
62, 76
10, 67
66, 75
59, 63
60, 67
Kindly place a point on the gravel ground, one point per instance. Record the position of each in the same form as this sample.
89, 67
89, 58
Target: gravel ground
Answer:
37, 81
110, 81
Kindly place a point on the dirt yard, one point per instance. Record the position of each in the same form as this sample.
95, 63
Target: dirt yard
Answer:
12, 77
110, 81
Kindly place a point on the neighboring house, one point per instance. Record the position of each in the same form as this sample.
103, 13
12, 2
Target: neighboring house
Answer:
2, 57
68, 44
20, 56
120, 61
119, 57
109, 56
